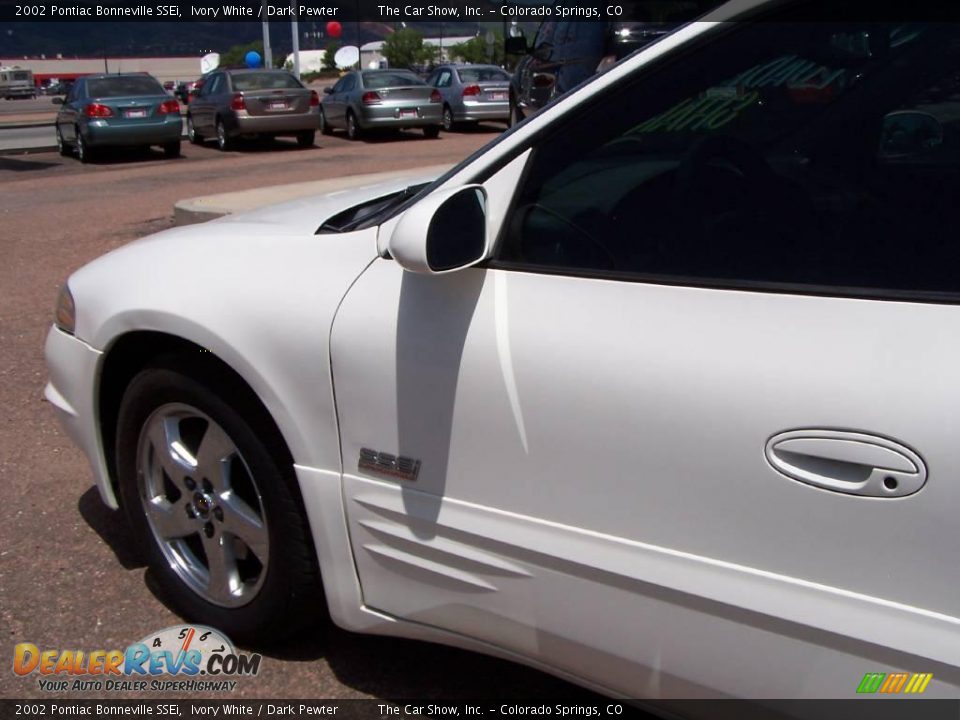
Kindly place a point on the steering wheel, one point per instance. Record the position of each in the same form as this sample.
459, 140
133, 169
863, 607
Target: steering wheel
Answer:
704, 200
714, 152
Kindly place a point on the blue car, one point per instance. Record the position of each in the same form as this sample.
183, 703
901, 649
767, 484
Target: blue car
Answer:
131, 110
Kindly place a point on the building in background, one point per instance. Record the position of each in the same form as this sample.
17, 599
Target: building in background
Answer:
174, 69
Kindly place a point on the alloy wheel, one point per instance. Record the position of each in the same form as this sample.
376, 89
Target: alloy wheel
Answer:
202, 505
223, 142
83, 154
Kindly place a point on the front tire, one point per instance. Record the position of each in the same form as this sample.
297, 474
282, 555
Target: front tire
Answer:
84, 153
212, 505
448, 122
195, 137
353, 127
62, 146
224, 142
325, 128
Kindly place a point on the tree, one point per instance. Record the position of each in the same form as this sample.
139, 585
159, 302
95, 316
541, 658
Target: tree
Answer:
328, 55
405, 48
477, 50
236, 55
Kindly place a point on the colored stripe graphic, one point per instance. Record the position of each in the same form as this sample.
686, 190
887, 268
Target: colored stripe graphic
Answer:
894, 683
918, 683
871, 682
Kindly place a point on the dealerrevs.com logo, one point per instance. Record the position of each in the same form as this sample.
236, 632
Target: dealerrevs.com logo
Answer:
192, 657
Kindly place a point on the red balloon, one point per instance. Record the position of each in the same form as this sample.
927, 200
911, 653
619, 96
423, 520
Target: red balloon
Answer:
334, 29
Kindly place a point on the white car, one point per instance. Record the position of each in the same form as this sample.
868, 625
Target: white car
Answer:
658, 392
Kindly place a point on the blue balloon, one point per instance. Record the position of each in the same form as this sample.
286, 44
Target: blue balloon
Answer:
253, 59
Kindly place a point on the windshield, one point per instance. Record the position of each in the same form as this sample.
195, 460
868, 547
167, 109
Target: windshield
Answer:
123, 86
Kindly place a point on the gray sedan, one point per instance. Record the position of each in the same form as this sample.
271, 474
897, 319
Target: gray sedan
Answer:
237, 103
472, 93
389, 99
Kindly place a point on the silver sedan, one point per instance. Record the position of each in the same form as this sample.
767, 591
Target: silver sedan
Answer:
472, 93
240, 103
364, 100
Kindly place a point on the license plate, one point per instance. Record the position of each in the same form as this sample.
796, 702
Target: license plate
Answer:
276, 105
408, 113
497, 96
136, 113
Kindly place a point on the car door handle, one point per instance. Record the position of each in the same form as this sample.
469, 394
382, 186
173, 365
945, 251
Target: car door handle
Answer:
852, 463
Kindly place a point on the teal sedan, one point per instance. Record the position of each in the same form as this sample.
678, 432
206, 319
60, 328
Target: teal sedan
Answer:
126, 110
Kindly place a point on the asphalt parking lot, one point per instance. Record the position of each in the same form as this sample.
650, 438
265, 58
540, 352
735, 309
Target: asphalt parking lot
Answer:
68, 577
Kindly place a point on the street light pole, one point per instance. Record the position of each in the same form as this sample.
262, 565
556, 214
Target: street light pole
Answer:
295, 29
359, 36
267, 52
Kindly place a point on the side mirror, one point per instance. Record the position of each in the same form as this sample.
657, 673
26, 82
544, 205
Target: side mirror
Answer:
907, 133
57, 101
328, 90
444, 232
516, 45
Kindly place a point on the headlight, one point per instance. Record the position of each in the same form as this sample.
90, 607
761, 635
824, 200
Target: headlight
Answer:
65, 315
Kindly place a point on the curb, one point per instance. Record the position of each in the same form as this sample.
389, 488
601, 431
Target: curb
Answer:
26, 150
209, 207
25, 125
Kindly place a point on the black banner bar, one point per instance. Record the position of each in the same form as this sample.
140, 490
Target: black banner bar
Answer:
854, 709
379, 11
395, 12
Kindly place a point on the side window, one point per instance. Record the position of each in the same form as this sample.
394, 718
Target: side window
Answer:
445, 78
349, 83
432, 80
214, 85
791, 155
74, 92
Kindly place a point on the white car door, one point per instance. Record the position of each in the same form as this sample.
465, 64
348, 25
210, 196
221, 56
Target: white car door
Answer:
692, 430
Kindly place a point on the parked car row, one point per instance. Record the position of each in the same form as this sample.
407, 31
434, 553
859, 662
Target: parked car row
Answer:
226, 105
135, 110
